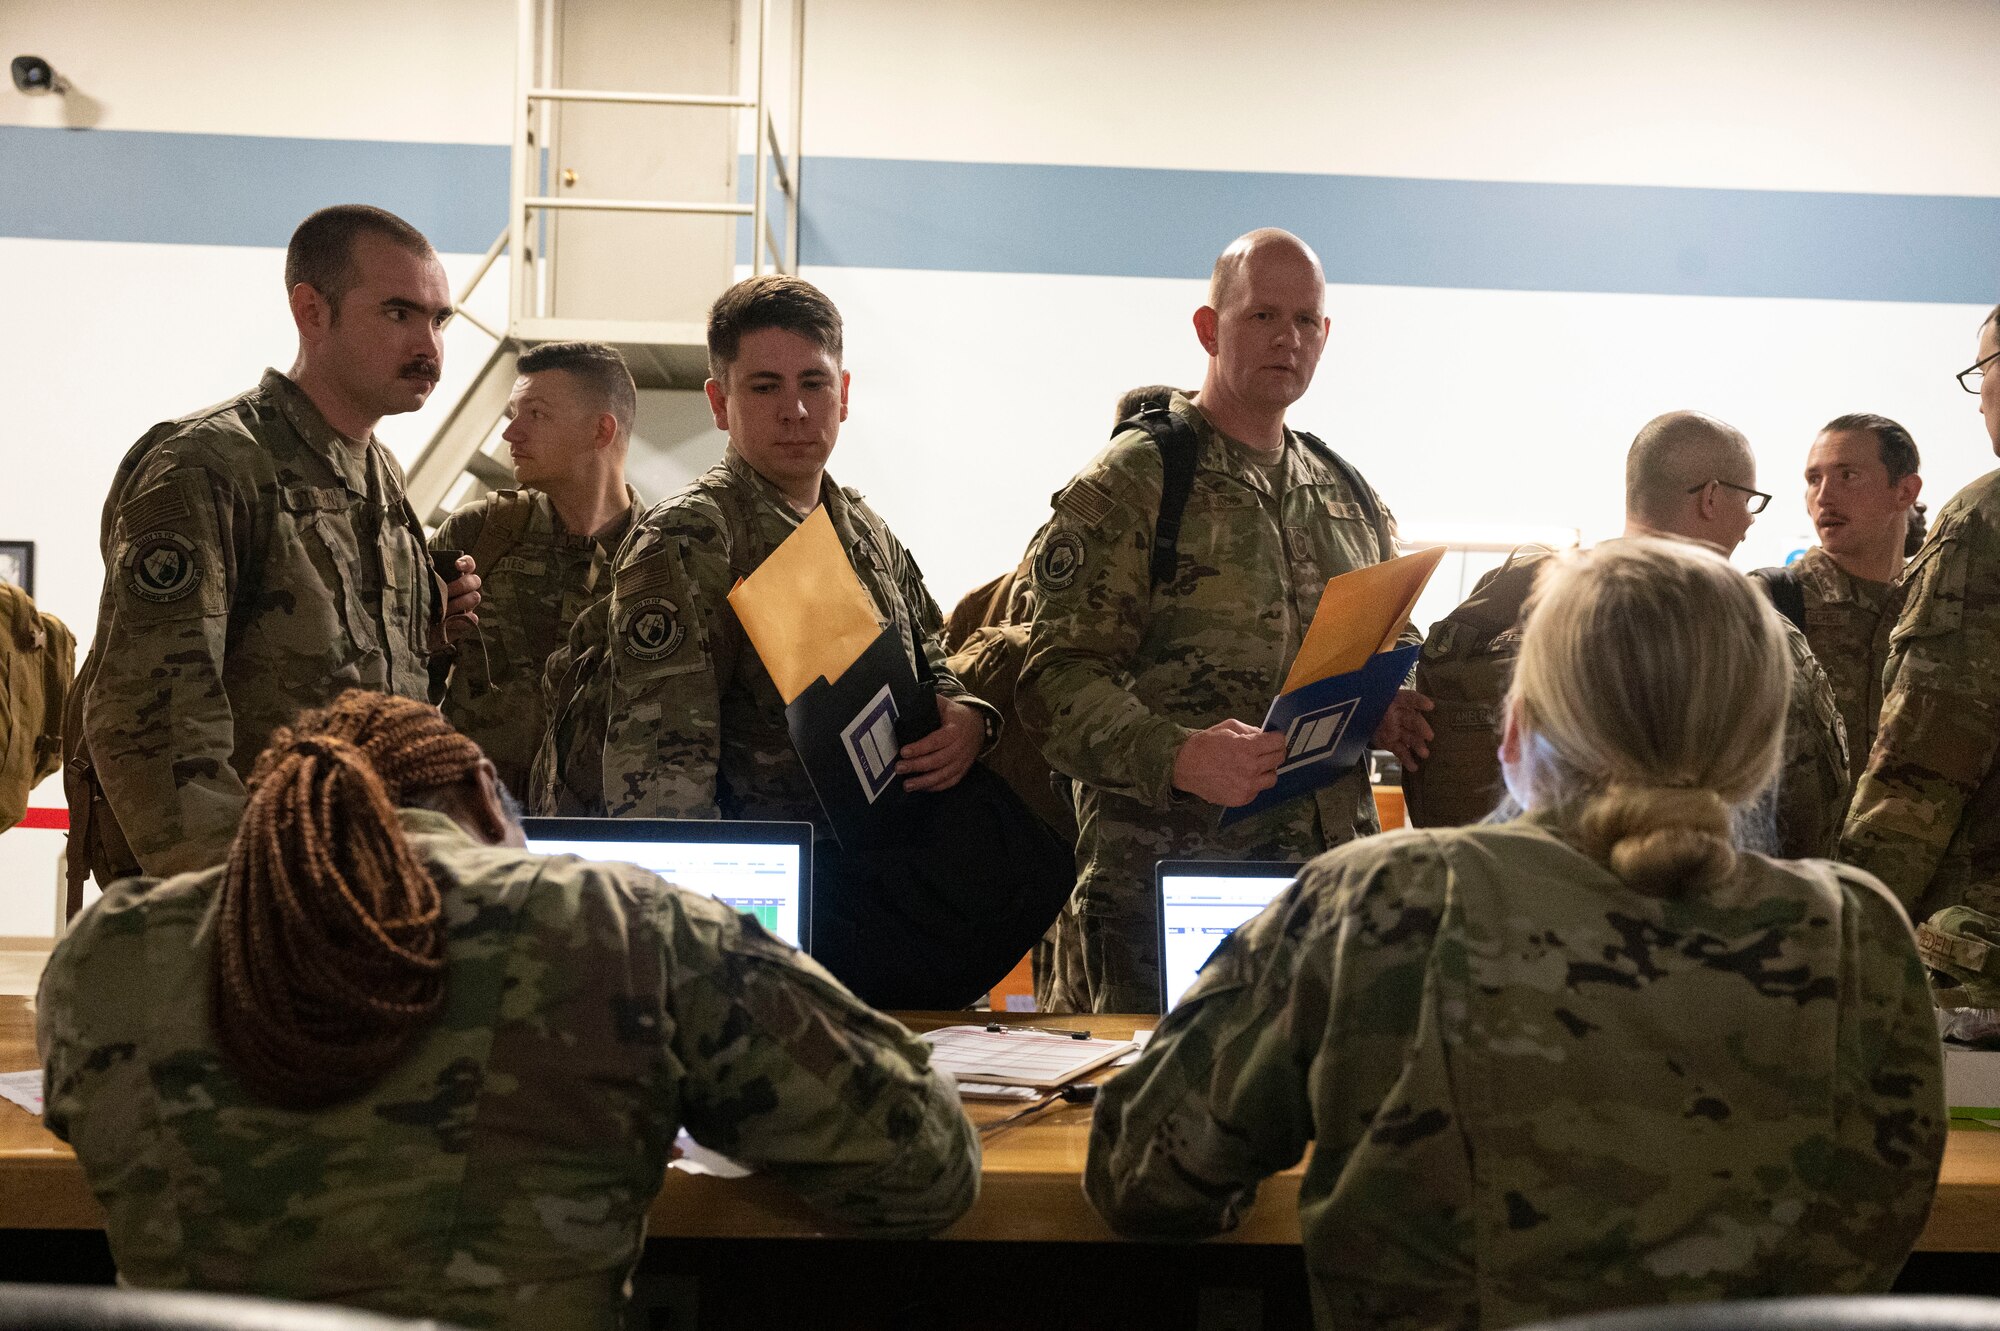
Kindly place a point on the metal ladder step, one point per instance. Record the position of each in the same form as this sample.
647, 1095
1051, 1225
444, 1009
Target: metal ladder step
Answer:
456, 447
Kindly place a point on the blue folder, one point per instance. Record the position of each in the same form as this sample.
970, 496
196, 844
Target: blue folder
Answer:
1327, 725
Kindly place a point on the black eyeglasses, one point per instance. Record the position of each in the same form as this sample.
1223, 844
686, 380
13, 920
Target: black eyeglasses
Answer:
1754, 504
1969, 378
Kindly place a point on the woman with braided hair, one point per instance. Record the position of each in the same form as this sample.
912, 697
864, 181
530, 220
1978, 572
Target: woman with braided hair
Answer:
386, 1056
1589, 1058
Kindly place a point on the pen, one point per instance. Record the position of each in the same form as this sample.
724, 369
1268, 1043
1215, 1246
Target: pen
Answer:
997, 1028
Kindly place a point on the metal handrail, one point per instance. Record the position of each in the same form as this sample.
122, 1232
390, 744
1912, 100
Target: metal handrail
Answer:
640, 98
636, 205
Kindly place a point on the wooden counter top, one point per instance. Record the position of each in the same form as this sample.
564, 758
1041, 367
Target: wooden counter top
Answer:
1030, 1189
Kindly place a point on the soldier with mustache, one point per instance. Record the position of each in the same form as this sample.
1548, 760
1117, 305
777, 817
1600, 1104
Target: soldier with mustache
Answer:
260, 558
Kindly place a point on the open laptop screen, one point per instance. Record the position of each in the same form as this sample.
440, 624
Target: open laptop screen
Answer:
761, 869
1202, 903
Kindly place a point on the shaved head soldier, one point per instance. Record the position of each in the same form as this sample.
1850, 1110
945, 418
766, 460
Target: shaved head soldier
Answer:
1147, 690
260, 558
1688, 477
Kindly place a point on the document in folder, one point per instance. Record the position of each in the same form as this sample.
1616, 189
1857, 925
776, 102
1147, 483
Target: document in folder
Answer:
1345, 676
803, 609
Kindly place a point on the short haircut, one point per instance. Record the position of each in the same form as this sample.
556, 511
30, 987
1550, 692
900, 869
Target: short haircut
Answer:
597, 367
772, 300
1899, 450
321, 254
1135, 400
1675, 452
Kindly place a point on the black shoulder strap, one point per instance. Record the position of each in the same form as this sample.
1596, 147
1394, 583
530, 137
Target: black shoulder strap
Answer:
1783, 587
1176, 442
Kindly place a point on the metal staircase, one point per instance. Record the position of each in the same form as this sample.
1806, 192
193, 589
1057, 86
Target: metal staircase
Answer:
627, 207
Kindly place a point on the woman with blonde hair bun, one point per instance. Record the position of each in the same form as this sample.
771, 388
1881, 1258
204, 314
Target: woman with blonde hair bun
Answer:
1594, 1057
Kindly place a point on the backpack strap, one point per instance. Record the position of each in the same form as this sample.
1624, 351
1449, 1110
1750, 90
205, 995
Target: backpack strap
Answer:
1787, 593
1371, 503
1176, 442
506, 523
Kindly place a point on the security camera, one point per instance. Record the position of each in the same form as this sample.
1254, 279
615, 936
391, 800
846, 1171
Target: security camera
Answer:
32, 74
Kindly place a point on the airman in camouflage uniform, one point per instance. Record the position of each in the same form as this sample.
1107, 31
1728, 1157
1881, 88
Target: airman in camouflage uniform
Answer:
1532, 1091
260, 559
1121, 676
1847, 628
529, 598
499, 1175
256, 563
696, 728
1926, 812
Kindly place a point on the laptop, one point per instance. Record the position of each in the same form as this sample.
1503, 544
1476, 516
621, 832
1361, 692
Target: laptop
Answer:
761, 869
1202, 902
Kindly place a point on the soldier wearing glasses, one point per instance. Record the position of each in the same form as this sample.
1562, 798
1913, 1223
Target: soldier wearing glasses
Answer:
1688, 477
1926, 813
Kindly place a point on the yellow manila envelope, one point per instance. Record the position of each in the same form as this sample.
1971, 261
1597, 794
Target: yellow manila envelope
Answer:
804, 610
1360, 614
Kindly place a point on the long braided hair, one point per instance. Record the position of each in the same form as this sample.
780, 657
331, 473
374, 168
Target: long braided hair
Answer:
329, 955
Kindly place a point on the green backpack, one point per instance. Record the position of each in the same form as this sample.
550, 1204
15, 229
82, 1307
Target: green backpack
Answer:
37, 659
1465, 669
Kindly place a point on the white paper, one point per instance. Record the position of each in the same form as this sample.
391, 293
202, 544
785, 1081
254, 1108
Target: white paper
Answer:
1139, 1038
695, 1158
24, 1089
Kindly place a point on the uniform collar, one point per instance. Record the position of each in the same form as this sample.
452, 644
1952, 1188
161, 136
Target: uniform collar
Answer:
321, 438
545, 521
1217, 452
1836, 585
829, 494
431, 823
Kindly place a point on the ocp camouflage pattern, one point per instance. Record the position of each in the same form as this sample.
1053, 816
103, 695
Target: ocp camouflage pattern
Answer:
1531, 1092
500, 1174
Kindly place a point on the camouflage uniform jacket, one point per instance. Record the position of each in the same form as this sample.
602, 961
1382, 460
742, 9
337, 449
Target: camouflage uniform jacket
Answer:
528, 600
1119, 673
255, 564
1798, 817
1849, 633
500, 1174
1533, 1092
695, 726
1926, 812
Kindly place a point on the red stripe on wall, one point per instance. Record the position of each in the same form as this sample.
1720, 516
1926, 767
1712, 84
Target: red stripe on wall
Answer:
55, 820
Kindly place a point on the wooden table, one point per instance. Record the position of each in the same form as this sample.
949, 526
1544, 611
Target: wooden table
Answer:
1029, 1192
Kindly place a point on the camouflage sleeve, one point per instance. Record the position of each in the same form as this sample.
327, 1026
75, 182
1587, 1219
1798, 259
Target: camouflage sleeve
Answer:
159, 725
1940, 713
1813, 784
1223, 1096
670, 652
1093, 588
788, 1072
1890, 1092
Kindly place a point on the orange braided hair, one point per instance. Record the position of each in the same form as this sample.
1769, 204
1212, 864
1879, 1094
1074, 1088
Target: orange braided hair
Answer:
329, 956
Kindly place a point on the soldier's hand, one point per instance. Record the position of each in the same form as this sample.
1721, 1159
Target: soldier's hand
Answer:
1403, 731
461, 600
941, 759
1229, 763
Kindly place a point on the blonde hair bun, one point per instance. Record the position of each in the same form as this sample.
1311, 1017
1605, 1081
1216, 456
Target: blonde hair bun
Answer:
1661, 840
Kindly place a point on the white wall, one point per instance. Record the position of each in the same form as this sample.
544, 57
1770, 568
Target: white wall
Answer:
977, 393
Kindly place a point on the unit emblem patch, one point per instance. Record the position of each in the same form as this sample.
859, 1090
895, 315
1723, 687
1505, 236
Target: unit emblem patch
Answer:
653, 629
162, 566
1060, 561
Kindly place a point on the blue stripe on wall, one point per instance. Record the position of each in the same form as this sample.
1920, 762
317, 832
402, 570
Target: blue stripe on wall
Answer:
1129, 222
239, 189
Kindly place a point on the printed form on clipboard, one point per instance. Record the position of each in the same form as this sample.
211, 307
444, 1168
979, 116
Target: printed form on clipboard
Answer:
1044, 1061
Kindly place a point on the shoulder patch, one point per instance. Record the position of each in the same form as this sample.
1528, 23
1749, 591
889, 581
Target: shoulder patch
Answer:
1086, 501
1060, 560
651, 629
162, 566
